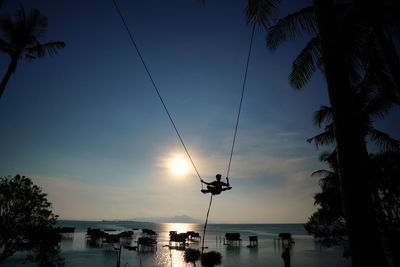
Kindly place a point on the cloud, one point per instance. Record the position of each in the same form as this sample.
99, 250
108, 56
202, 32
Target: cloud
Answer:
264, 152
288, 134
270, 175
79, 200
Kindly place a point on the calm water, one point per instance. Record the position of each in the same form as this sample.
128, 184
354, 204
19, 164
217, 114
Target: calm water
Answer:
305, 251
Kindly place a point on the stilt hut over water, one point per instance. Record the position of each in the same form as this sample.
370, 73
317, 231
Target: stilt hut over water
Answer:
178, 241
233, 239
253, 241
67, 232
147, 244
149, 233
286, 239
193, 236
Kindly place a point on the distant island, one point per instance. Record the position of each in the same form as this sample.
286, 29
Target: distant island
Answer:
175, 219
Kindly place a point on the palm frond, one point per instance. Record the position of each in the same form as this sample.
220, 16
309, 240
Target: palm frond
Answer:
6, 28
355, 35
291, 26
325, 138
305, 64
378, 106
354, 68
29, 57
261, 12
5, 47
377, 88
21, 15
380, 74
321, 173
40, 50
366, 87
387, 87
37, 23
391, 16
325, 156
324, 114
330, 158
385, 142
354, 55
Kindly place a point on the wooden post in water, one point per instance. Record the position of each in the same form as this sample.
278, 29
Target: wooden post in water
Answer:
119, 256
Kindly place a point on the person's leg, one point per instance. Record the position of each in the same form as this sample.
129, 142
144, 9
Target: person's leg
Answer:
215, 191
209, 189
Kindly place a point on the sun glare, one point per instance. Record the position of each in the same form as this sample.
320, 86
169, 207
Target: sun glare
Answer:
179, 166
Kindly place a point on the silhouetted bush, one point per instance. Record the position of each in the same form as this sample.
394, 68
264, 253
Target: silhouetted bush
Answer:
27, 222
192, 255
211, 259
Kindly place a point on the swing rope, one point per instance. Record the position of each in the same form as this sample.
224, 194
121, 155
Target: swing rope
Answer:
170, 117
236, 128
205, 225
241, 99
155, 87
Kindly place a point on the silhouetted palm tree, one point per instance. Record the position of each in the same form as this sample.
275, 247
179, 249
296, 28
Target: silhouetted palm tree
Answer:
386, 173
327, 224
362, 48
20, 39
371, 104
211, 259
336, 39
334, 50
192, 255
260, 13
381, 18
383, 140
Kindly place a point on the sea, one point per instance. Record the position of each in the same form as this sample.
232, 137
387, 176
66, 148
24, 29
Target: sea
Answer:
304, 251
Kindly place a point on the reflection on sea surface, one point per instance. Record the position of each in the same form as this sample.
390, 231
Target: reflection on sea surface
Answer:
179, 227
78, 252
176, 257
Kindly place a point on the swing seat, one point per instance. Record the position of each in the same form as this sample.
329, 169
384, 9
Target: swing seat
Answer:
215, 192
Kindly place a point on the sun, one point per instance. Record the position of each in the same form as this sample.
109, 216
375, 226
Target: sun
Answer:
179, 165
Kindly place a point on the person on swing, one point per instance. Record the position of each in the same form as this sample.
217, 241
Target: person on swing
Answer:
216, 187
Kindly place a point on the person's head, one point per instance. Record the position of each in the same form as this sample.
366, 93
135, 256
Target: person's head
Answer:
218, 176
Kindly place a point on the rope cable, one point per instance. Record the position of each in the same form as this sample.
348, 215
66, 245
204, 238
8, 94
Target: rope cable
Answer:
205, 225
241, 99
155, 87
170, 117
236, 128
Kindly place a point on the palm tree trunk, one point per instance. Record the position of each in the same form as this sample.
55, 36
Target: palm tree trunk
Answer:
352, 155
11, 69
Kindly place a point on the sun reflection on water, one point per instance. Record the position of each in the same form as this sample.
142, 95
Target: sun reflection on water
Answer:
176, 257
180, 227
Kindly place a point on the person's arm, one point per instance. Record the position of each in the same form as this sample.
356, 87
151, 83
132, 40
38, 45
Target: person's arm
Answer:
204, 182
227, 182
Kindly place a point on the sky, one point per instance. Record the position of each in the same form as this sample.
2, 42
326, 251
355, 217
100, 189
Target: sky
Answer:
88, 127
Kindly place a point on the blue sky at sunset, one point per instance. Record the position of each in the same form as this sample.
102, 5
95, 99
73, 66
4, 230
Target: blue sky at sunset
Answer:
89, 128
